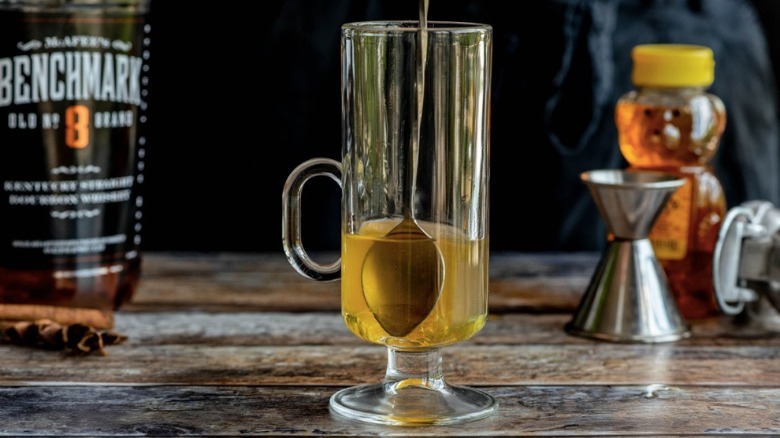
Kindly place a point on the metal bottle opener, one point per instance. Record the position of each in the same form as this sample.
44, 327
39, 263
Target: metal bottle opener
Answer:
746, 264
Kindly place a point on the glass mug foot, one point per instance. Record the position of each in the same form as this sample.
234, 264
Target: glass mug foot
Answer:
413, 393
413, 405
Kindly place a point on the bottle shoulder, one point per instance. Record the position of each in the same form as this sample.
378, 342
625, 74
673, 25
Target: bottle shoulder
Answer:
674, 97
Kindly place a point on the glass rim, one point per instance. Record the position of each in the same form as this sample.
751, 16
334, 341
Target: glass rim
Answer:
384, 26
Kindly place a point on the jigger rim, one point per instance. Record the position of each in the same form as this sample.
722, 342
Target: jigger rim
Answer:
632, 178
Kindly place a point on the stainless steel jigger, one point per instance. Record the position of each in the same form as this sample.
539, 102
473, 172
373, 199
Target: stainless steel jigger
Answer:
628, 298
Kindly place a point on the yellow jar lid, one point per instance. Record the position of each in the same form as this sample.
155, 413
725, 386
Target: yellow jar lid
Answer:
672, 65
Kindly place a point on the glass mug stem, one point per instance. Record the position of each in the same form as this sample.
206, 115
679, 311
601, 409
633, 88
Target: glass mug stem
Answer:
419, 368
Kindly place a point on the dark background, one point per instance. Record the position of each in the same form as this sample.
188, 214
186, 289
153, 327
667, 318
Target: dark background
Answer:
239, 98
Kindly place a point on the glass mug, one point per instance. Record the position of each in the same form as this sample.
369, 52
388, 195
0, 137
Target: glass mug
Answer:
414, 226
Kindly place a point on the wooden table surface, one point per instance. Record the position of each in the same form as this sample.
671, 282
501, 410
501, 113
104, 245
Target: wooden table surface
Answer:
242, 345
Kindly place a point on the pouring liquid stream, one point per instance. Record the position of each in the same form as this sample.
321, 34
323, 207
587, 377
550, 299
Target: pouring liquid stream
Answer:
403, 272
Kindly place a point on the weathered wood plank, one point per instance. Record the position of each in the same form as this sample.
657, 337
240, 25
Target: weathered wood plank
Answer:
534, 282
464, 363
303, 411
314, 348
281, 328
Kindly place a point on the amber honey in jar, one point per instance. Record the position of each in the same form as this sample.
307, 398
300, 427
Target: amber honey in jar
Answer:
669, 122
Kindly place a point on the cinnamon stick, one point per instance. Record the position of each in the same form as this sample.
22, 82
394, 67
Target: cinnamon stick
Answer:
51, 335
99, 319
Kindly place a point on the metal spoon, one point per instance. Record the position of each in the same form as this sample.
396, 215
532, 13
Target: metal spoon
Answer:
403, 272
402, 276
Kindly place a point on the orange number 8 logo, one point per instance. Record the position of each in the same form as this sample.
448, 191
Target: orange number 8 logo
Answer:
77, 126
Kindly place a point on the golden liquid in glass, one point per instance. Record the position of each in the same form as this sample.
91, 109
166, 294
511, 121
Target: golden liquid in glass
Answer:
460, 310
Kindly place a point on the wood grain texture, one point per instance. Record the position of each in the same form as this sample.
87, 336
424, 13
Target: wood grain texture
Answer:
570, 410
298, 349
341, 365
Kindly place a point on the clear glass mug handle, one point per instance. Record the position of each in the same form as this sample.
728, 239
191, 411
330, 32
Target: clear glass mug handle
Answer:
291, 218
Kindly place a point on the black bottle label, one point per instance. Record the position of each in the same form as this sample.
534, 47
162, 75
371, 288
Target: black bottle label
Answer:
72, 88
